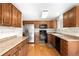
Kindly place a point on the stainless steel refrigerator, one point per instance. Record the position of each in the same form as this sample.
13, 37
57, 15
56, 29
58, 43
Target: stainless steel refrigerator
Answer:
28, 30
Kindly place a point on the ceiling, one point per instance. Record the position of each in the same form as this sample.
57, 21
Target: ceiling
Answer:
32, 11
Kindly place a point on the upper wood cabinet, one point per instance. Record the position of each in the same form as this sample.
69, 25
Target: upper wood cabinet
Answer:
65, 22
0, 14
16, 17
9, 15
71, 18
50, 24
6, 13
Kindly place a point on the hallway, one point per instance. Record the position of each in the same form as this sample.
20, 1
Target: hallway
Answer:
41, 50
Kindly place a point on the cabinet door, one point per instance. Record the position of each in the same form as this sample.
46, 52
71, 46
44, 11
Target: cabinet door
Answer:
18, 18
55, 24
0, 13
16, 53
37, 37
72, 20
51, 40
6, 13
23, 50
50, 24
65, 20
63, 47
14, 16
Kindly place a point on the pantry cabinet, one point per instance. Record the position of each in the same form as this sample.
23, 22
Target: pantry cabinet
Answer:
71, 18
9, 15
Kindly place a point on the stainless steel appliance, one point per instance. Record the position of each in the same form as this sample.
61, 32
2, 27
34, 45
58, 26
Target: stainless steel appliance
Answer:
28, 29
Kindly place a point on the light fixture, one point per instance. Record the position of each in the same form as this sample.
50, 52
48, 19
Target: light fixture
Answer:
44, 13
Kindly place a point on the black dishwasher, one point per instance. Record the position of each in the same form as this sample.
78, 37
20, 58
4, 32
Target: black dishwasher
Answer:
57, 43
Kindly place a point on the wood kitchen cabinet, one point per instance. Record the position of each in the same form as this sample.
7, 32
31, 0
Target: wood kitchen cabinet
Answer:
24, 49
6, 13
50, 24
69, 48
9, 15
37, 37
51, 40
63, 47
0, 14
71, 18
19, 19
19, 50
16, 17
66, 21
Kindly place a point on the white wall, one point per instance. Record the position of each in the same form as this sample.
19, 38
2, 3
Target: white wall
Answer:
59, 23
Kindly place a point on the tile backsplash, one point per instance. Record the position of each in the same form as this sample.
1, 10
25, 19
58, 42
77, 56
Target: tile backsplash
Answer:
8, 30
49, 30
70, 30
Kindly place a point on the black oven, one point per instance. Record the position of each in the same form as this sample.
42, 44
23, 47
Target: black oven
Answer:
43, 33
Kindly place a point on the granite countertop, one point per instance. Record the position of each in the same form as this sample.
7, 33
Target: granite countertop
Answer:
9, 42
66, 37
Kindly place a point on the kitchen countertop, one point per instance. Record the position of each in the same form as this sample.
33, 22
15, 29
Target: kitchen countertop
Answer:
9, 42
66, 37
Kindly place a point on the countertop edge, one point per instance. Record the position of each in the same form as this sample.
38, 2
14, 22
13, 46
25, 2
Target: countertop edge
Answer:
6, 50
65, 37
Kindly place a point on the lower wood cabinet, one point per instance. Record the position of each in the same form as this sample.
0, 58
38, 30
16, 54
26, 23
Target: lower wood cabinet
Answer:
37, 37
51, 40
19, 50
63, 47
69, 48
